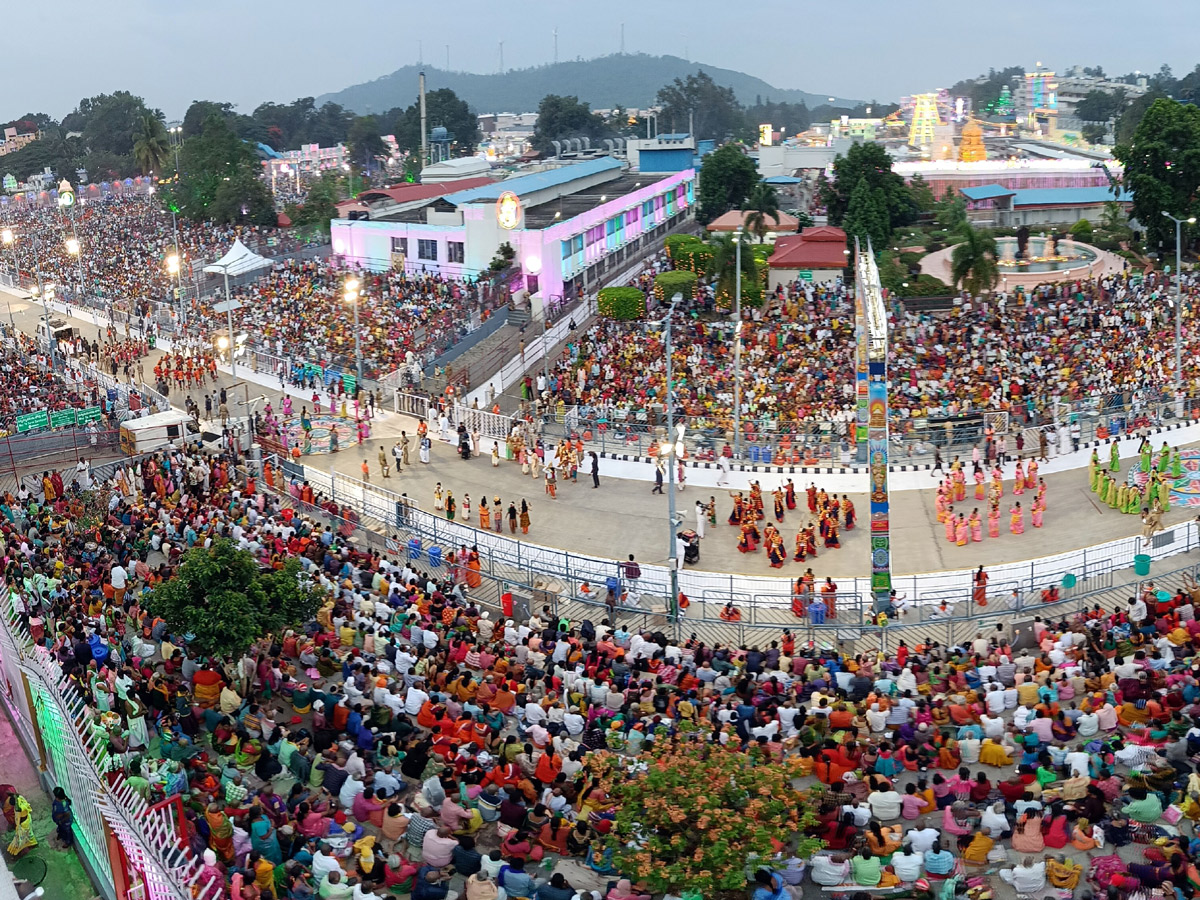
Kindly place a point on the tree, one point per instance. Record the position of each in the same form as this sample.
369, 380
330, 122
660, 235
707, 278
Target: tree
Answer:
1100, 106
922, 193
762, 210
1162, 167
1082, 230
727, 177
869, 161
724, 269
221, 598
219, 178
702, 106
866, 217
365, 142
1130, 119
973, 261
62, 155
691, 815
199, 111
443, 108
320, 204
950, 212
790, 118
1093, 133
113, 121
150, 146
561, 118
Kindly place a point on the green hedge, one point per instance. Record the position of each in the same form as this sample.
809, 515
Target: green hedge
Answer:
668, 284
623, 303
686, 251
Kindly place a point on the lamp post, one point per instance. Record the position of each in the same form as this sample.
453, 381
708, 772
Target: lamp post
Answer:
66, 200
351, 296
8, 239
172, 264
669, 450
1191, 220
737, 347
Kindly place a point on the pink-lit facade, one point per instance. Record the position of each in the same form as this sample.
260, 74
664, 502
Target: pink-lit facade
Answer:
553, 255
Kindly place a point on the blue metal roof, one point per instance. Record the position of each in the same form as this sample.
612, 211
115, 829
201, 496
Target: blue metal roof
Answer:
523, 185
987, 192
680, 136
1067, 196
782, 179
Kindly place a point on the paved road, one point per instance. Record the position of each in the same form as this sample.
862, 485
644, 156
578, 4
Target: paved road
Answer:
623, 517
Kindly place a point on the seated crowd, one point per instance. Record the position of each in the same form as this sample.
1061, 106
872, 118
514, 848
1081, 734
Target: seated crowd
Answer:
407, 740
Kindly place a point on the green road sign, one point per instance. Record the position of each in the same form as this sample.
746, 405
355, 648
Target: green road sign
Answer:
61, 417
91, 414
805, 275
30, 421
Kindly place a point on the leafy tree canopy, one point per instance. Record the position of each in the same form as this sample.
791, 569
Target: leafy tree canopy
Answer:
727, 176
219, 178
689, 819
870, 162
566, 117
710, 110
1162, 167
866, 217
225, 602
443, 108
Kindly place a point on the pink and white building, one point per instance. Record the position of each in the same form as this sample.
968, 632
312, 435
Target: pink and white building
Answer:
568, 226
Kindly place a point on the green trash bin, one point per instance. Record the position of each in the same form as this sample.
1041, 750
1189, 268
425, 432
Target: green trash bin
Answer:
1141, 564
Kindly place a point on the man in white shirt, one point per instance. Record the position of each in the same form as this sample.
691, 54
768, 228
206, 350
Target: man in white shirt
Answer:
994, 820
1079, 761
908, 864
922, 838
828, 870
885, 804
1027, 878
120, 580
414, 700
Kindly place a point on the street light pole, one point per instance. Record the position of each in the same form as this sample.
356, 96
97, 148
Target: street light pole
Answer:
1179, 298
352, 297
672, 520
737, 349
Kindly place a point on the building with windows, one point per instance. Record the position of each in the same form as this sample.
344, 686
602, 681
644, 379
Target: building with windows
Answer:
567, 226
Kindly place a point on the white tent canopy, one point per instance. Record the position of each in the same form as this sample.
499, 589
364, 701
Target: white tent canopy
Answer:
238, 261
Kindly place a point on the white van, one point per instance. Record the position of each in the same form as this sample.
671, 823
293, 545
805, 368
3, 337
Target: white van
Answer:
154, 431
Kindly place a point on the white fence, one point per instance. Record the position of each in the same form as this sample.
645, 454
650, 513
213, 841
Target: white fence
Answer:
1095, 564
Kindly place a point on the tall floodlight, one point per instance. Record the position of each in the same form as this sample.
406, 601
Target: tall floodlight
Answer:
873, 338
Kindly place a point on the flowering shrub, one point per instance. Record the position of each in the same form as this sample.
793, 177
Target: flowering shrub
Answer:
690, 814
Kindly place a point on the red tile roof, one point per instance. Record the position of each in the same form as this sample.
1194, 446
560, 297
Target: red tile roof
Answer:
736, 218
822, 247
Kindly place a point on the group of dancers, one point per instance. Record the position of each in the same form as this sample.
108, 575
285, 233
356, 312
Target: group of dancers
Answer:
186, 371
962, 529
1161, 470
827, 514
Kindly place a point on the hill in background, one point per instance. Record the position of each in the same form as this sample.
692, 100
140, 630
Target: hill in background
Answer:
628, 80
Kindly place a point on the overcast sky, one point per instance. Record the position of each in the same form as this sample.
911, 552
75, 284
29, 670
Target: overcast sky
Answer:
175, 51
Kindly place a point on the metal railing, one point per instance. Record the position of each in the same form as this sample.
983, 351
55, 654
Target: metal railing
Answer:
563, 571
59, 731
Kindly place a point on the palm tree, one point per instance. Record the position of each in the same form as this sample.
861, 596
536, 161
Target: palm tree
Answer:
150, 150
724, 265
763, 204
973, 261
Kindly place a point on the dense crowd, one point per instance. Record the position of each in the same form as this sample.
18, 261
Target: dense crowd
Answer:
406, 740
298, 310
124, 244
1019, 353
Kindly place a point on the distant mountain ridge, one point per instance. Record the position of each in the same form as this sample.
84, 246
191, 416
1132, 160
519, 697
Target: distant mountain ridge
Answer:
627, 80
